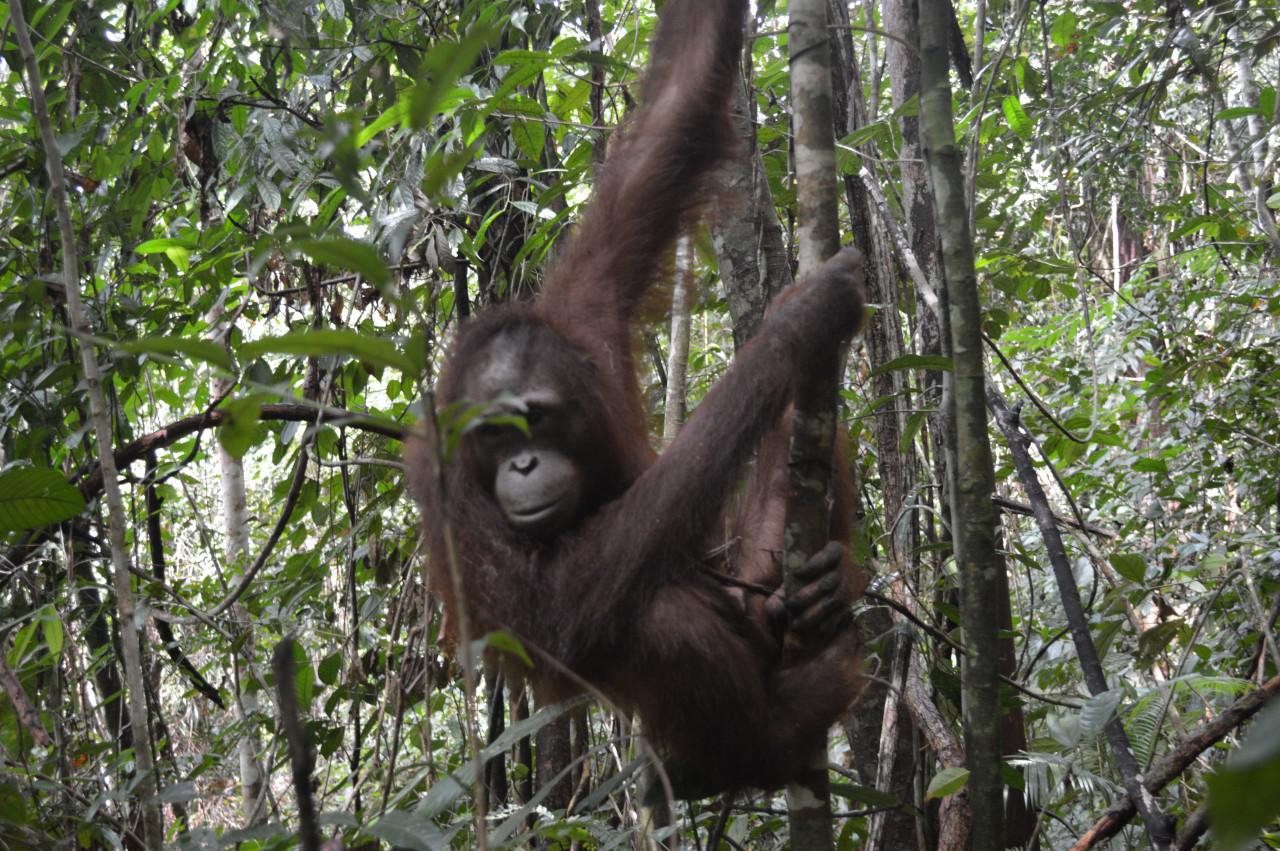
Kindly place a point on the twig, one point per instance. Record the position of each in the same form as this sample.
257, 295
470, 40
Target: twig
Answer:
1016, 507
286, 412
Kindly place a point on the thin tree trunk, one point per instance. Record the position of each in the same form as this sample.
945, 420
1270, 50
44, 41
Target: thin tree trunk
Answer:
973, 516
882, 742
813, 435
235, 527
1159, 826
754, 262
678, 357
130, 635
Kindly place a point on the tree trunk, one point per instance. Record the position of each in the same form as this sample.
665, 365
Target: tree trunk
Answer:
235, 527
130, 635
973, 516
753, 258
813, 434
678, 357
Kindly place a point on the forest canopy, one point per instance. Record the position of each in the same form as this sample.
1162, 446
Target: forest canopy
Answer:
240, 237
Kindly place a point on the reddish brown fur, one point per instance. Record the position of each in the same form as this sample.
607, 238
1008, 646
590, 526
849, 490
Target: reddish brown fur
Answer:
622, 598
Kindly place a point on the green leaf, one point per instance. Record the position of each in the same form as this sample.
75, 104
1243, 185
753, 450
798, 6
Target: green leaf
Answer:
305, 677
331, 341
51, 625
405, 829
1236, 112
508, 643
937, 362
180, 256
914, 423
1063, 31
1131, 566
329, 668
347, 254
239, 426
163, 246
445, 63
1244, 795
21, 641
1019, 121
1151, 465
393, 116
1267, 102
443, 166
946, 782
206, 351
33, 497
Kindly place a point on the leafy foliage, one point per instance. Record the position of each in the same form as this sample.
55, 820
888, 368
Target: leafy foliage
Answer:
283, 210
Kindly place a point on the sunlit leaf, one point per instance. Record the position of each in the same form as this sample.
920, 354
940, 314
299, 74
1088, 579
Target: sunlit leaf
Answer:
331, 341
946, 782
202, 350
347, 254
239, 427
1019, 122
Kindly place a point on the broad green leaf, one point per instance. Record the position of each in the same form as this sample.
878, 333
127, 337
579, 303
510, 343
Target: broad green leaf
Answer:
446, 62
1063, 31
1151, 465
202, 350
1153, 641
1131, 566
1236, 112
394, 116
331, 341
180, 256
162, 246
51, 625
33, 497
1019, 121
347, 254
1244, 795
239, 425
304, 677
946, 782
443, 166
329, 668
1214, 562
1267, 103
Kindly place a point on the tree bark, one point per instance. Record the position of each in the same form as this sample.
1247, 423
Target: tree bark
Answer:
753, 258
973, 516
235, 527
813, 434
673, 410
